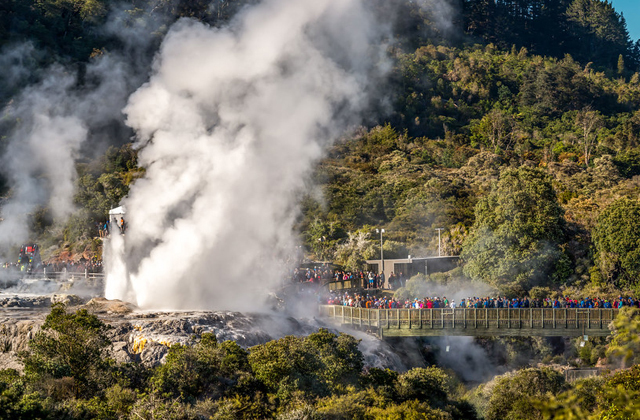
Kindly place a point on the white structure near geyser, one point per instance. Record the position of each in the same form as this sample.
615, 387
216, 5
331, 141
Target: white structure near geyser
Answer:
232, 121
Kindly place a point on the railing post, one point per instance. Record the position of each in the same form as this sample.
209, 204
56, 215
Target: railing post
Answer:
431, 318
520, 319
566, 324
498, 318
475, 317
486, 318
508, 317
600, 310
442, 318
453, 314
543, 318
464, 317
531, 317
554, 317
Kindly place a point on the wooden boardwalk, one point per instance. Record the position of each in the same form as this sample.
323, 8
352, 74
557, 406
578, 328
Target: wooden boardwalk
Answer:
569, 322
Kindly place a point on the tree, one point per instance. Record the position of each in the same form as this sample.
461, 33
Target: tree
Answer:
70, 345
616, 237
512, 395
599, 32
588, 122
616, 397
206, 369
515, 240
353, 253
625, 344
430, 384
495, 130
314, 365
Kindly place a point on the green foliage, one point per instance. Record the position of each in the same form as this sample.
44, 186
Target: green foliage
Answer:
591, 351
617, 397
383, 381
616, 237
603, 26
591, 30
369, 405
430, 385
515, 240
70, 345
316, 365
205, 370
625, 344
511, 395
355, 250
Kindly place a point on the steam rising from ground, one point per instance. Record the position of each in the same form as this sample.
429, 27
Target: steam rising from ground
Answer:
53, 119
230, 124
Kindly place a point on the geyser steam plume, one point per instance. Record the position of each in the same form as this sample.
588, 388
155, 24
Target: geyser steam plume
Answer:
230, 125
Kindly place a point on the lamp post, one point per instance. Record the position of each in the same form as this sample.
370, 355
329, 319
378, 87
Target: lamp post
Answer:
439, 242
381, 231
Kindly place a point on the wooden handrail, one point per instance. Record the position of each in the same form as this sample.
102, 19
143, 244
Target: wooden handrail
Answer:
492, 321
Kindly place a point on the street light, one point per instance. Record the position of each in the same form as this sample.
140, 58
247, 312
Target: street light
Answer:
439, 242
381, 231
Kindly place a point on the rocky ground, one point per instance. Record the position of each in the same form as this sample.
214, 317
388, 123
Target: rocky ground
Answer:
145, 337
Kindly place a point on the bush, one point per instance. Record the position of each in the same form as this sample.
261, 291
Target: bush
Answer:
70, 345
207, 369
512, 395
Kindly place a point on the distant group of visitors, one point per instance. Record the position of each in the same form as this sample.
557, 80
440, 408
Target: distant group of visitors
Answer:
92, 266
319, 275
370, 301
104, 229
363, 279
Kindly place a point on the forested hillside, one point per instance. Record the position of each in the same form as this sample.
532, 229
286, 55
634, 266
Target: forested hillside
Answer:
515, 125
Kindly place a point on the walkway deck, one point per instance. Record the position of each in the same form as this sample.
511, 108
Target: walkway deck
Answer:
569, 322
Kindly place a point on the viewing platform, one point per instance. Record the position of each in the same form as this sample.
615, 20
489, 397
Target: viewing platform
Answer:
519, 322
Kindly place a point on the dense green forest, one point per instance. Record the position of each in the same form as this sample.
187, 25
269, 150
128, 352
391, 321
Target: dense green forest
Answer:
536, 97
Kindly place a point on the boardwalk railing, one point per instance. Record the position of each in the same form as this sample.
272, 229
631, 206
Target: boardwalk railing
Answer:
475, 322
95, 279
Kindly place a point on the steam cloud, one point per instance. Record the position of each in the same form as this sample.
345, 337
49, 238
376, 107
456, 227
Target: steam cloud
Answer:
49, 122
54, 119
229, 125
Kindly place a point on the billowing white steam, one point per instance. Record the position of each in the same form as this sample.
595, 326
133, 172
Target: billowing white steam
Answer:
231, 122
53, 119
56, 117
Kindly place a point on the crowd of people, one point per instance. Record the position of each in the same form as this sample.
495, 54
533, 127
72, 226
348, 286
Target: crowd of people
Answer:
363, 279
385, 302
91, 266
